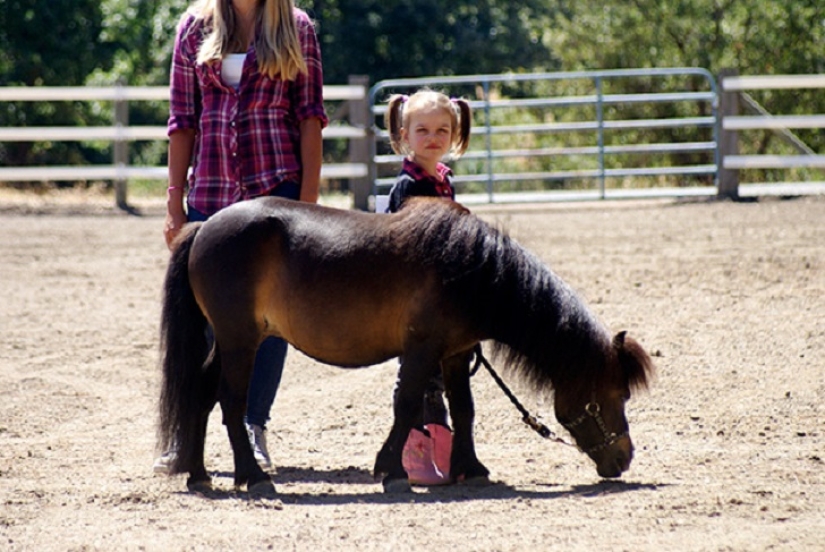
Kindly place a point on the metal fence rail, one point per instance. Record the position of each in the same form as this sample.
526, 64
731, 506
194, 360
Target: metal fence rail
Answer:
599, 127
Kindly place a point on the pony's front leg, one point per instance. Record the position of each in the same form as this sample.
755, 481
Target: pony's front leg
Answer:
234, 388
415, 371
464, 464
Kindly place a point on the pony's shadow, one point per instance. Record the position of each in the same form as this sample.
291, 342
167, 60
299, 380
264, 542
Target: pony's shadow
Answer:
460, 492
289, 474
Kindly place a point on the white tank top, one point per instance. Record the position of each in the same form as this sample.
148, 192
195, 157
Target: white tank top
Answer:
232, 67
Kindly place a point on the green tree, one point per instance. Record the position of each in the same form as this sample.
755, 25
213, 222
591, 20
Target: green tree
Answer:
414, 38
50, 43
76, 42
143, 32
753, 36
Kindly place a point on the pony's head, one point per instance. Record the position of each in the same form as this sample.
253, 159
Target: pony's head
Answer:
594, 413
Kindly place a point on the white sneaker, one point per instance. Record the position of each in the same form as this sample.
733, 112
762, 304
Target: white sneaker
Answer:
257, 438
163, 463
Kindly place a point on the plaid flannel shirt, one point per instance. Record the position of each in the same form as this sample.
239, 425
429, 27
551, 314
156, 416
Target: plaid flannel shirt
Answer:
413, 180
247, 140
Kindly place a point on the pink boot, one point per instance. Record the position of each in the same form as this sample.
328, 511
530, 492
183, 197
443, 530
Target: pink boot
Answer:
426, 455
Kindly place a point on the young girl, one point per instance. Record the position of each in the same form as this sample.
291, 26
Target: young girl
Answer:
245, 115
425, 127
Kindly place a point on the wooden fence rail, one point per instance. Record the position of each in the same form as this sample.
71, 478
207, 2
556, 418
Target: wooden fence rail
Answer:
120, 133
731, 123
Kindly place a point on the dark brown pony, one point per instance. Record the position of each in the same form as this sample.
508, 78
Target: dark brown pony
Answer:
354, 289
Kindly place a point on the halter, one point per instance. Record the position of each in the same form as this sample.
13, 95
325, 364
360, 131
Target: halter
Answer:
592, 411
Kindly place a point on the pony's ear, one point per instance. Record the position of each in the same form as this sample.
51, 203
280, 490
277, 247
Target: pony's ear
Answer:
636, 363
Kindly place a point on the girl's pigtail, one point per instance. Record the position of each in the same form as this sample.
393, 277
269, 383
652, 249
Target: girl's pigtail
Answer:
393, 120
462, 141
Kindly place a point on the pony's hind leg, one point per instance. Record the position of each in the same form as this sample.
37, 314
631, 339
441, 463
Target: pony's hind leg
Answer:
233, 390
464, 464
199, 480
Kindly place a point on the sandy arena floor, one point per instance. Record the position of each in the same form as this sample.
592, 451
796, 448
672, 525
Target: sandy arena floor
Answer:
730, 297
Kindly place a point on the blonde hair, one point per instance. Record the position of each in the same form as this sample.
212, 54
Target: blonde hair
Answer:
401, 108
277, 46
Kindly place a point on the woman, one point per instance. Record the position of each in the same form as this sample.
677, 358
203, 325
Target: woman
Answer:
246, 114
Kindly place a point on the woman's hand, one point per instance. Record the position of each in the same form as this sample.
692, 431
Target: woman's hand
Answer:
172, 227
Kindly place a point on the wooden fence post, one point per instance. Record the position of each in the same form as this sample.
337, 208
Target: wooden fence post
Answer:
728, 139
121, 147
360, 116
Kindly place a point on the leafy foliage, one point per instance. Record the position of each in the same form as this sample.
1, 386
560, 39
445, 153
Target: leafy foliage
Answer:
76, 42
50, 42
414, 38
753, 36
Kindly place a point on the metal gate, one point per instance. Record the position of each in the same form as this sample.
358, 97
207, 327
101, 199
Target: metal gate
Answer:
572, 135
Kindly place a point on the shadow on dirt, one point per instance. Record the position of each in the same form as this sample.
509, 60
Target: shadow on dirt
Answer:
287, 476
466, 493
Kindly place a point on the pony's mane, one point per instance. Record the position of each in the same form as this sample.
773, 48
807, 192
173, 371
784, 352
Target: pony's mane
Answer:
540, 326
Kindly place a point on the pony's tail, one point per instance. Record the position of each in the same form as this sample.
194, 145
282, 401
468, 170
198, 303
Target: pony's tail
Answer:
184, 349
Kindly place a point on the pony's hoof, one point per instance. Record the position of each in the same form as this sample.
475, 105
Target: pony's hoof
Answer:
202, 486
397, 486
262, 489
475, 481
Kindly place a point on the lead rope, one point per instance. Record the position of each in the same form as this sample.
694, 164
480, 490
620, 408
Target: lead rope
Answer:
526, 417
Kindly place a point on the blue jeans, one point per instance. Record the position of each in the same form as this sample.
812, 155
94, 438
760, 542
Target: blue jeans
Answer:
269, 361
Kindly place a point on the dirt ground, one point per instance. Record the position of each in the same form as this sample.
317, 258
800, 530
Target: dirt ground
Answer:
729, 297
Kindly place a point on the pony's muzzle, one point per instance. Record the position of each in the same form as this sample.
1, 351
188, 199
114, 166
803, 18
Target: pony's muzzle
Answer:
615, 459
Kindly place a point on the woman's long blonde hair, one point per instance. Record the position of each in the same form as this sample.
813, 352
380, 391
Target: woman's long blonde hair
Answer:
277, 46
